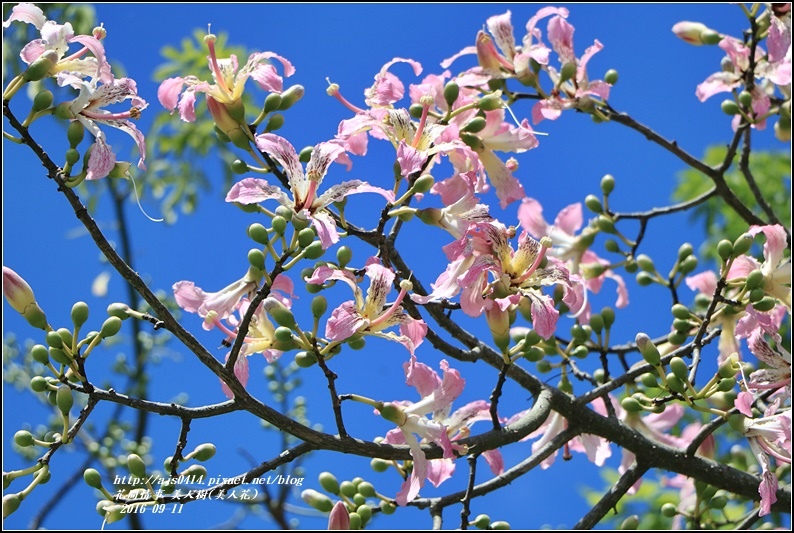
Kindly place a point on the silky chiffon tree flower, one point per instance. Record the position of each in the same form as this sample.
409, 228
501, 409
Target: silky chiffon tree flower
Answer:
370, 315
89, 109
443, 428
306, 201
224, 96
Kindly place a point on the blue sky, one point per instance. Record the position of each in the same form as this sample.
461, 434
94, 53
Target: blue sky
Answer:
349, 43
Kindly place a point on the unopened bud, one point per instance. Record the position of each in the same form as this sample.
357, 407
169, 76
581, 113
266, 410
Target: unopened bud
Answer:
64, 399
41, 67
136, 466
684, 251
110, 327
491, 102
755, 279
275, 122
724, 249
593, 204
92, 478
451, 92
742, 245
42, 100
204, 452
343, 256
631, 405
611, 76
319, 501
280, 314
423, 183
567, 71
681, 311
291, 96
475, 125
314, 250
688, 265
729, 107
606, 224
648, 349
20, 296
607, 184
766, 304
679, 368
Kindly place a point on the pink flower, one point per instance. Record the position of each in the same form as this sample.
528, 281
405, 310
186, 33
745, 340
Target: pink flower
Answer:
56, 38
88, 109
370, 315
21, 298
229, 81
339, 518
219, 305
388, 88
305, 200
572, 248
778, 373
437, 396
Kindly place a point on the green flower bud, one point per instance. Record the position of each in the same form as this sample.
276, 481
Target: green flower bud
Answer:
11, 503
681, 311
423, 183
611, 245
491, 102
688, 265
64, 399
451, 92
596, 322
319, 306
416, 110
54, 340
726, 384
669, 510
500, 525
579, 334
675, 384
275, 122
59, 356
766, 304
136, 466
725, 249
319, 501
357, 342
611, 76
258, 233
79, 314
283, 334
195, 471
348, 489
42, 101
306, 154
92, 478
593, 204
66, 336
280, 314
719, 501
272, 102
679, 368
632, 522
742, 245
204, 452
631, 266
279, 224
534, 354
39, 354
607, 184
729, 107
378, 465
677, 338
746, 99
291, 96
649, 380
648, 349
683, 326
314, 250
543, 367
472, 141
644, 279
645, 263
305, 359
40, 68
605, 224
366, 489
756, 295
305, 237
75, 133
365, 512
475, 125
343, 256
239, 167
38, 384
631, 405
755, 279
482, 521
256, 258
23, 438
684, 251
567, 71
110, 327
329, 482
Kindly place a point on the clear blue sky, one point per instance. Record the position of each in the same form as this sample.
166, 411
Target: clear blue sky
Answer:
349, 43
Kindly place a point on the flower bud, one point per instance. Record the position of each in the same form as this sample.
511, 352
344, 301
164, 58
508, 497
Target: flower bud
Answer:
59, 356
631, 405
23, 438
593, 204
645, 263
291, 96
726, 384
746, 99
500, 525
766, 304
280, 314
491, 102
644, 279
423, 183
648, 349
64, 399
607, 184
675, 384
319, 501
669, 510
195, 471
11, 503
649, 380
677, 338
709, 36
339, 519
276, 121
725, 249
679, 368
755, 279
314, 250
472, 141
742, 245
258, 233
729, 107
579, 334
279, 224
239, 167
690, 32
305, 359
282, 334
72, 156
756, 295
605, 224
611, 76
596, 322
41, 67
256, 258
681, 311
684, 251
66, 336
365, 512
319, 306
475, 125
329, 482
567, 71
136, 466
20, 296
110, 327
42, 101
79, 314
204, 452
92, 478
